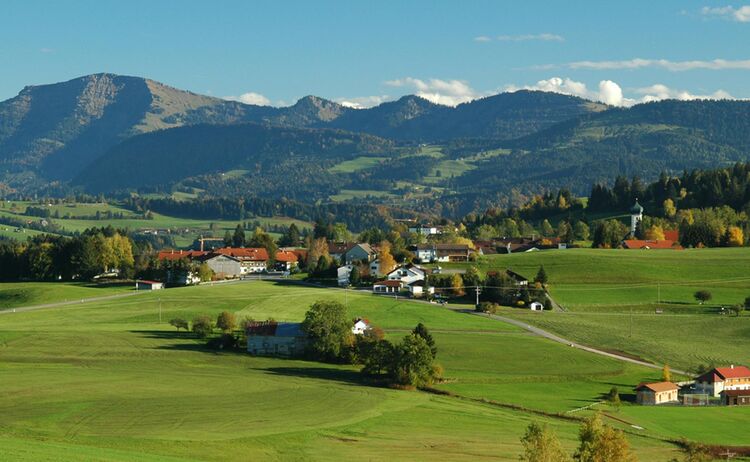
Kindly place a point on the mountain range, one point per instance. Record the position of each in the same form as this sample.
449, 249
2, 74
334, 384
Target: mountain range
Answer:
105, 133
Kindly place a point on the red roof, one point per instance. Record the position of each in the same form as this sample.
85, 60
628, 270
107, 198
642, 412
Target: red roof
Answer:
178, 254
389, 283
650, 244
250, 253
672, 235
286, 256
719, 374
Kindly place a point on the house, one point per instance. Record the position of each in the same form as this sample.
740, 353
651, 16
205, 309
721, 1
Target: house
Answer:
406, 274
360, 252
375, 268
343, 273
656, 393
420, 288
387, 287
442, 252
719, 379
173, 255
337, 250
252, 259
536, 306
223, 266
517, 278
735, 397
286, 260
360, 326
424, 230
148, 285
271, 338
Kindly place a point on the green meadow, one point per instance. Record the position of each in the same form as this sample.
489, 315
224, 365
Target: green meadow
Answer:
108, 381
15, 294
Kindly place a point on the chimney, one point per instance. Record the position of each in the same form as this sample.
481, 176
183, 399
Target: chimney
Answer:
731, 366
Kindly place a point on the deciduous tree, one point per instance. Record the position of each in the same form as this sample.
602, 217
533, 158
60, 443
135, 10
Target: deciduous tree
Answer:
540, 444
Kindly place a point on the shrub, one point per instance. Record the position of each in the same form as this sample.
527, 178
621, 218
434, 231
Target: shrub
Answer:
488, 307
202, 326
226, 321
179, 323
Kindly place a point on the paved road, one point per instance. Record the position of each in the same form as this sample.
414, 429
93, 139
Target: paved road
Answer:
557, 338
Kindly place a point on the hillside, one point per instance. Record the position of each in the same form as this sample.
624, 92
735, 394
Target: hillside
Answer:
264, 157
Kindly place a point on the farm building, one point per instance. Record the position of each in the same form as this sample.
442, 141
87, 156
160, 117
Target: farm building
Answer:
735, 397
223, 266
442, 252
360, 326
719, 379
536, 306
270, 338
656, 393
148, 285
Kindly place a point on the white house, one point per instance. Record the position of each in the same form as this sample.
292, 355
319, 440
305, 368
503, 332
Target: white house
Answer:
148, 285
407, 274
375, 268
442, 252
360, 326
536, 306
343, 273
719, 379
425, 230
420, 288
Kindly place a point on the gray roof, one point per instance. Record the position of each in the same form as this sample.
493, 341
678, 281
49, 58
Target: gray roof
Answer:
289, 329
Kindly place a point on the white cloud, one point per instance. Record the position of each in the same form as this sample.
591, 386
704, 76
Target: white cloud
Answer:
659, 92
674, 66
741, 14
609, 92
445, 92
250, 98
361, 102
545, 37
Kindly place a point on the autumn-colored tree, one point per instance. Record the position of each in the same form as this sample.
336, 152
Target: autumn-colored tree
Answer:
457, 285
226, 321
540, 444
386, 260
602, 443
735, 236
666, 373
669, 209
655, 233
318, 248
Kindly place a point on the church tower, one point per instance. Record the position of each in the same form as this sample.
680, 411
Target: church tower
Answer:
636, 216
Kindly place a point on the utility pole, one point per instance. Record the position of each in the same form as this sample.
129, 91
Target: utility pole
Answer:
658, 293
478, 291
160, 310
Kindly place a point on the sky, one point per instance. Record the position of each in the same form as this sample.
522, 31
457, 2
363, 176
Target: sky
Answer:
363, 53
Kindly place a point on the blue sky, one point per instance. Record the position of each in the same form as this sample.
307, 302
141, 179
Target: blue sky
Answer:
274, 52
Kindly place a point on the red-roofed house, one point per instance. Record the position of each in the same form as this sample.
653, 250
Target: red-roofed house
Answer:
286, 260
719, 379
252, 259
171, 255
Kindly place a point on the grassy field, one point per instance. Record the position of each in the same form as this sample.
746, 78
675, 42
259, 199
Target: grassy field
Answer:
184, 230
107, 381
15, 294
355, 165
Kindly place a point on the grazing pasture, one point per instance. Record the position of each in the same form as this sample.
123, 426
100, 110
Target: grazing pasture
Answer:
111, 380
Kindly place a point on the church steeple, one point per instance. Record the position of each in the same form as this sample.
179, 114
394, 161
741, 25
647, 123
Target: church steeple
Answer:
636, 215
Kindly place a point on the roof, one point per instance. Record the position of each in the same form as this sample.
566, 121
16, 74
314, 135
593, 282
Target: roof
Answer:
658, 386
736, 393
672, 235
179, 254
637, 208
339, 247
651, 244
286, 256
420, 282
515, 275
148, 282
275, 329
391, 283
250, 253
366, 247
719, 374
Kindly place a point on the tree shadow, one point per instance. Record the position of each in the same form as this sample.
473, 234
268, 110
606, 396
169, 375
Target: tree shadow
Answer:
347, 376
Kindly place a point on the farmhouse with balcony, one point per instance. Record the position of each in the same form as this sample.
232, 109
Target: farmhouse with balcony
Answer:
442, 253
719, 379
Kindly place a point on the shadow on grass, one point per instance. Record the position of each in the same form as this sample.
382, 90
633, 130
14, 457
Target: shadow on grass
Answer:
323, 373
